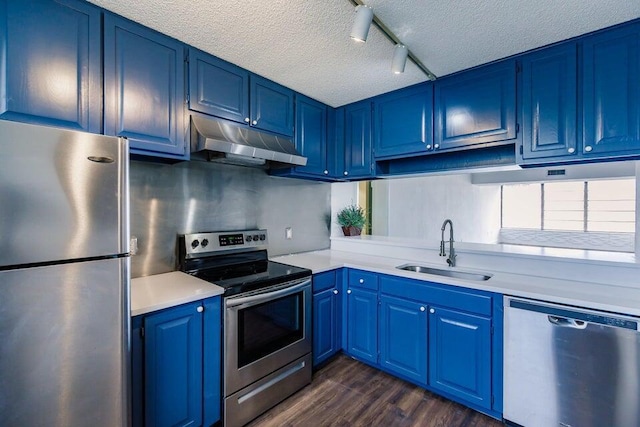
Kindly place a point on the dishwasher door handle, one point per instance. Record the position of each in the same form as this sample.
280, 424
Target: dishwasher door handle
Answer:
567, 323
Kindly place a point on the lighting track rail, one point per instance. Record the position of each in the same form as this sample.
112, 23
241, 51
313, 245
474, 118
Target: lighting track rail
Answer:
394, 39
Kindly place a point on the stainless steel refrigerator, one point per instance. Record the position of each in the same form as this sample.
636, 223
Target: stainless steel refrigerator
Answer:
64, 278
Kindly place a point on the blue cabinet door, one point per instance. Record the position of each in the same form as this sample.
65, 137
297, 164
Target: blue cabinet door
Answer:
271, 106
476, 107
403, 122
311, 135
362, 324
335, 145
212, 368
50, 63
325, 325
549, 98
460, 355
137, 372
144, 88
357, 140
403, 338
611, 93
173, 367
217, 87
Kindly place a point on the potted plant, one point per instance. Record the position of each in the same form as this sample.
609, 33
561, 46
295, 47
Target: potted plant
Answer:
352, 219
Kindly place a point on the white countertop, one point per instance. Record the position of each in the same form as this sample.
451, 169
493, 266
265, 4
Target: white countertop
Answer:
165, 290
582, 294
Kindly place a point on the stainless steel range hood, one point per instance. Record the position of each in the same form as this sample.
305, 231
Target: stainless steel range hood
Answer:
227, 142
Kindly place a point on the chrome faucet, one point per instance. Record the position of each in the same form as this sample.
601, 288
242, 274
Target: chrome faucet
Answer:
452, 253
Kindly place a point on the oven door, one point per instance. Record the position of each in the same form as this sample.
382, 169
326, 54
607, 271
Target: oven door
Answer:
264, 331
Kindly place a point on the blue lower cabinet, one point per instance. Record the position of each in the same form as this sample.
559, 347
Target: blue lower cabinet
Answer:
325, 325
403, 338
173, 367
212, 365
137, 372
362, 329
176, 366
460, 355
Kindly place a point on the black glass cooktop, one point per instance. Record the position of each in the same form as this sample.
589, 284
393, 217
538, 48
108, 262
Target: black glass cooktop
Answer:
243, 272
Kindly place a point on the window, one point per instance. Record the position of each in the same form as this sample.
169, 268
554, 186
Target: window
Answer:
598, 214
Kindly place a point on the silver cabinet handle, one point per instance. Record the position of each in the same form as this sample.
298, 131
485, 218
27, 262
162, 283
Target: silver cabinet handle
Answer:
326, 172
200, 309
588, 148
348, 291
436, 146
422, 309
335, 292
346, 173
255, 122
571, 150
361, 280
428, 146
247, 119
432, 310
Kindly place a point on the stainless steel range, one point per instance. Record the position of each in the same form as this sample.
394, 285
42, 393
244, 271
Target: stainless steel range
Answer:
267, 319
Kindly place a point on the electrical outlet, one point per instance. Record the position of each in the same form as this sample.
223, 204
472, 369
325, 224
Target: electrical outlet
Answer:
133, 245
288, 233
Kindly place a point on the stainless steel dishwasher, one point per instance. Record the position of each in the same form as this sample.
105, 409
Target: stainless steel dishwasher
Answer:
565, 366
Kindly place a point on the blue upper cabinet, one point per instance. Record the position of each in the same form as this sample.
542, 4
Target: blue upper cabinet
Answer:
217, 87
357, 140
460, 355
311, 135
549, 102
611, 93
224, 90
403, 122
173, 367
271, 106
144, 88
403, 338
476, 107
50, 63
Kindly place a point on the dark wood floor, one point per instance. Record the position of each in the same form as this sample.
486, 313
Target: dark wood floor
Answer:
349, 393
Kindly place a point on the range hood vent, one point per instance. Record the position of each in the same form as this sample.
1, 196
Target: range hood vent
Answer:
227, 142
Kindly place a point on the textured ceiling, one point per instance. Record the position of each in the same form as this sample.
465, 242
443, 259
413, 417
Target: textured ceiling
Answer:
305, 45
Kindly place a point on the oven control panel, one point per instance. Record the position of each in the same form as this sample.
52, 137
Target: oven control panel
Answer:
201, 243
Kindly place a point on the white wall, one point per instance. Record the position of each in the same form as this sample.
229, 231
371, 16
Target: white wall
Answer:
417, 207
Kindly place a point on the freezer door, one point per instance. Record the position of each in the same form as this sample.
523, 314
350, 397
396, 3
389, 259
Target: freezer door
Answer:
63, 194
64, 345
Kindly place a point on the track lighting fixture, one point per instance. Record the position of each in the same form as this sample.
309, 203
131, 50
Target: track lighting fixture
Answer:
360, 29
364, 18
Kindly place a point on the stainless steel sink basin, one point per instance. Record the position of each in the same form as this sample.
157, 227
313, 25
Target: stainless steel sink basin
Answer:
442, 272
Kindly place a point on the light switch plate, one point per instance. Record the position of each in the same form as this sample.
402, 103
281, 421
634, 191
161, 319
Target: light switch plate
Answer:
288, 233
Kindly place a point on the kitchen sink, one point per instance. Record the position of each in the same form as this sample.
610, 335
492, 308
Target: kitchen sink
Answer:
442, 272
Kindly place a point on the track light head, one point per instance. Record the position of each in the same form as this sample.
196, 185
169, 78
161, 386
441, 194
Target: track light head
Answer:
400, 54
360, 29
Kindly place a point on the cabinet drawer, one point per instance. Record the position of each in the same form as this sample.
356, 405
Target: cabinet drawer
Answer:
435, 294
324, 281
363, 279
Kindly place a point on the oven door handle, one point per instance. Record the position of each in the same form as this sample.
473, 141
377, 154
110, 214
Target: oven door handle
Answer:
234, 302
